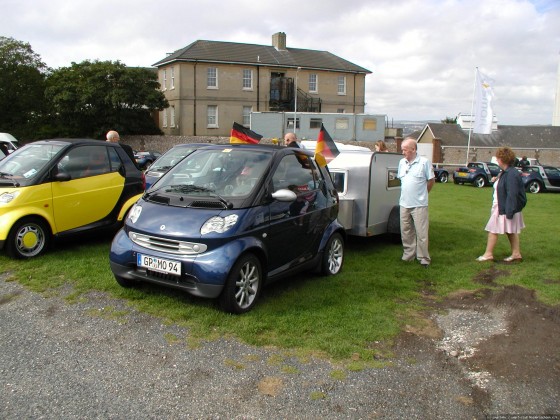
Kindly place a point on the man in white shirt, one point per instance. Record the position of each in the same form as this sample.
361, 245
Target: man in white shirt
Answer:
417, 179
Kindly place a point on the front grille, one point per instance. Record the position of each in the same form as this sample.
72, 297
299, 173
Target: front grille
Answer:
167, 245
185, 282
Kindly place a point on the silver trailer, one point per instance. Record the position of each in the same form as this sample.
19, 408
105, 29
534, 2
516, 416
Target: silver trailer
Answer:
369, 191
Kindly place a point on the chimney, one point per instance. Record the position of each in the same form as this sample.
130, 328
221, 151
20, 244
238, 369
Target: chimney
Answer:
279, 41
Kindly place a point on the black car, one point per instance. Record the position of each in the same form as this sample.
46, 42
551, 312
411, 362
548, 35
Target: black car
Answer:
146, 158
541, 178
478, 174
441, 174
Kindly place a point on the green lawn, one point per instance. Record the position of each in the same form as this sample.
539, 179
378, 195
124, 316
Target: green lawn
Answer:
357, 312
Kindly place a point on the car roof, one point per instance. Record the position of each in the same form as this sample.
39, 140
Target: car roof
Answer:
73, 141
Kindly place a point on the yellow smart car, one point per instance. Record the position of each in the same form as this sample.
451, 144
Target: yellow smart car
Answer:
55, 188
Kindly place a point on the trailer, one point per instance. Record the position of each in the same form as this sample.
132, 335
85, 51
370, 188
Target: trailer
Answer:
369, 192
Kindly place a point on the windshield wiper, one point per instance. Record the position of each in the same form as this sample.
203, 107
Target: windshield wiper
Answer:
9, 176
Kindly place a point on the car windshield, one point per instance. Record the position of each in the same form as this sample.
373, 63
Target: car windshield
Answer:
23, 165
221, 173
171, 158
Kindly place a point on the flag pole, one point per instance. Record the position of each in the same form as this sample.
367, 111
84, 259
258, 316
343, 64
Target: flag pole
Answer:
472, 117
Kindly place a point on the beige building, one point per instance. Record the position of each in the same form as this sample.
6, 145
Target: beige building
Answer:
211, 84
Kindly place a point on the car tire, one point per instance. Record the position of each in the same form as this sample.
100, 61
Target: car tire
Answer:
534, 187
28, 238
124, 282
333, 256
243, 285
479, 182
443, 177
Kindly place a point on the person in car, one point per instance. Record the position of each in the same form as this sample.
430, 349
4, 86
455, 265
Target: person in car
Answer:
508, 201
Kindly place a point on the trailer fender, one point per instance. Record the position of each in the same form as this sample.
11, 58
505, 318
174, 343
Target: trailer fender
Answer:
394, 222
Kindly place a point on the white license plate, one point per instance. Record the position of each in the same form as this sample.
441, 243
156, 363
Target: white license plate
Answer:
159, 264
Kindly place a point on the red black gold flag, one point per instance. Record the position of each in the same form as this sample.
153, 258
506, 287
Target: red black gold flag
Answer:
240, 134
326, 149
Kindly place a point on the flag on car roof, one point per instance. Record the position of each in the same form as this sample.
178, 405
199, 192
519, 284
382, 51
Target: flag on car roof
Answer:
326, 149
240, 134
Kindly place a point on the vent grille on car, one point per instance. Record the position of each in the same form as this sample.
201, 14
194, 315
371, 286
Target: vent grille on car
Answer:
167, 245
208, 204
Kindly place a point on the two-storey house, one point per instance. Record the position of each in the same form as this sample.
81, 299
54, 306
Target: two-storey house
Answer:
211, 84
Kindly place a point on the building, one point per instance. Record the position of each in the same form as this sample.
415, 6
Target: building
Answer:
211, 84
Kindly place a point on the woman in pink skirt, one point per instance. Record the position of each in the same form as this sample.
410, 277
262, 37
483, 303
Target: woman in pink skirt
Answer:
508, 201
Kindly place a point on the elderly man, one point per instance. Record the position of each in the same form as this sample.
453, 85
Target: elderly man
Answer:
417, 179
113, 137
290, 140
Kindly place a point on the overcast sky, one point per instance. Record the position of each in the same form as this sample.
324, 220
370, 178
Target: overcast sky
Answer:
422, 53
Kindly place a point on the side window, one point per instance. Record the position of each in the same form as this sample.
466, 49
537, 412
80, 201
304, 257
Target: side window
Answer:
85, 161
114, 159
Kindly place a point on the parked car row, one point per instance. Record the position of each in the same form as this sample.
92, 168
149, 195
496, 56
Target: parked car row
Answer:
541, 178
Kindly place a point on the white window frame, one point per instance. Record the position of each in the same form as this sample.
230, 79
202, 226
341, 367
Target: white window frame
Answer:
164, 118
172, 116
313, 83
212, 75
341, 86
164, 80
247, 115
212, 116
247, 79
172, 78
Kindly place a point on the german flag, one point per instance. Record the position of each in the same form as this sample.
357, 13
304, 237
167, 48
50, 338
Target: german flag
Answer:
240, 134
326, 149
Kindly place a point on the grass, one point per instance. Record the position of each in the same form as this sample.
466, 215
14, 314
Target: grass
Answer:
351, 317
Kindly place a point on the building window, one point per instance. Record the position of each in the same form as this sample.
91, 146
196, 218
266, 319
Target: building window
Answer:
340, 111
164, 80
172, 116
212, 81
290, 123
247, 115
164, 118
342, 85
212, 116
369, 124
315, 122
313, 83
172, 78
247, 79
341, 124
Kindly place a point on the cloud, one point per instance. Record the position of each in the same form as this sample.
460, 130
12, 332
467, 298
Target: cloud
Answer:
423, 54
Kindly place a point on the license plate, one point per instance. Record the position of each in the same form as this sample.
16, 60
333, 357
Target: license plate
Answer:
463, 174
159, 264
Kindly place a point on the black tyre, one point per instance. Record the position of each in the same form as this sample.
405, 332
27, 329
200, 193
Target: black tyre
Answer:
479, 181
28, 238
243, 286
443, 177
333, 257
534, 187
124, 282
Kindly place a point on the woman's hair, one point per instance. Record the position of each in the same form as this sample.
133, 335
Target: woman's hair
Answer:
382, 146
506, 155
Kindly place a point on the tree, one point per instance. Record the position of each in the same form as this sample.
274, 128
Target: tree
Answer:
90, 98
22, 85
449, 120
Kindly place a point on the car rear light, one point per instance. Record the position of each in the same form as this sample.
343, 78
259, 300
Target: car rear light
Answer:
472, 170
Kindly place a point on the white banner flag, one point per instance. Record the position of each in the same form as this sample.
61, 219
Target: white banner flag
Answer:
483, 114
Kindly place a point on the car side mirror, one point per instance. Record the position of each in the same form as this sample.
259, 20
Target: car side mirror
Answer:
62, 177
284, 195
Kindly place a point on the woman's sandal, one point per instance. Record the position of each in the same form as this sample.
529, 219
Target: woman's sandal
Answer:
513, 259
483, 258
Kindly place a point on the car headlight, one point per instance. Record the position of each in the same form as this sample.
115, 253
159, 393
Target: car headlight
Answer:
218, 224
5, 198
135, 213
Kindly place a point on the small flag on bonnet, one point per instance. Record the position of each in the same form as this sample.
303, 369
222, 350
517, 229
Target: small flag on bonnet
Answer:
326, 149
240, 134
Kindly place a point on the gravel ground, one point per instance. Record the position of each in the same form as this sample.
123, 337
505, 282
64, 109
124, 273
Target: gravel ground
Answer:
99, 358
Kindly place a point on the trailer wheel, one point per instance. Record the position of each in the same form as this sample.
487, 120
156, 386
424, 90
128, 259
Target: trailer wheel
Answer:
394, 224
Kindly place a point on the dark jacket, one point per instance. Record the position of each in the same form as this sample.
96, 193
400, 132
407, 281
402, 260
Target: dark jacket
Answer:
511, 193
